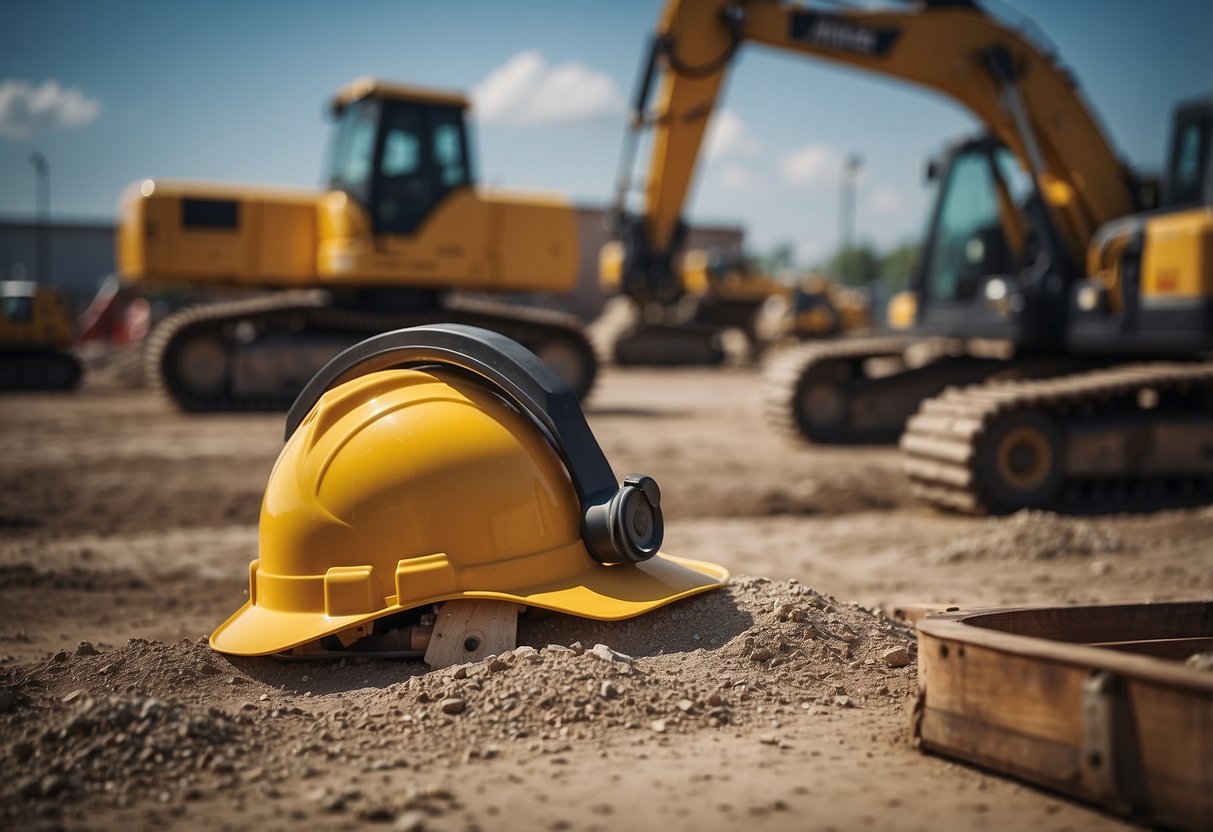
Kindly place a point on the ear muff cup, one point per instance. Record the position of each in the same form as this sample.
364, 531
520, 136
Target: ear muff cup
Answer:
630, 527
619, 524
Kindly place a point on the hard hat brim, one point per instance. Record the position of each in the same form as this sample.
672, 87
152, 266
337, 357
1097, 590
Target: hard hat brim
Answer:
605, 593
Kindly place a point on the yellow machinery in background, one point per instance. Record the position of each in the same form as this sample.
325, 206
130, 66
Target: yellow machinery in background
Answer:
36, 332
1044, 259
720, 290
399, 228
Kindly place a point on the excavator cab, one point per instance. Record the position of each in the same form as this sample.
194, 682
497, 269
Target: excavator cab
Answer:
1150, 284
398, 152
988, 269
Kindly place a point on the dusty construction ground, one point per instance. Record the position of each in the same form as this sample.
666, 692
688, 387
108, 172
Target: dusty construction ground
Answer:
121, 520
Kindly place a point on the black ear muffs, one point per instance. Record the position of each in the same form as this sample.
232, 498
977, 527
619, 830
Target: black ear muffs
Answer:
618, 524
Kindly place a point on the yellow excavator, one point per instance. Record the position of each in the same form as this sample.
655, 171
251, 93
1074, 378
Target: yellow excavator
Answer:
36, 333
399, 229
1044, 262
720, 290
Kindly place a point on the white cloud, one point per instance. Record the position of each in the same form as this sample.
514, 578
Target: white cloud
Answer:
728, 136
886, 199
27, 109
813, 164
526, 89
736, 177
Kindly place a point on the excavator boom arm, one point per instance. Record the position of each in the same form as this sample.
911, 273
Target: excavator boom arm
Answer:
1020, 93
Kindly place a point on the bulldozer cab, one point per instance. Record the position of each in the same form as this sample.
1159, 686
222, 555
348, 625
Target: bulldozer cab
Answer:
398, 151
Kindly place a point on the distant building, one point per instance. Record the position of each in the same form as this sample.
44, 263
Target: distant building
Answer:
82, 255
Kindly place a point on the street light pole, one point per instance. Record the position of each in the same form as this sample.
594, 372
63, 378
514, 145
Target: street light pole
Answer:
42, 255
847, 209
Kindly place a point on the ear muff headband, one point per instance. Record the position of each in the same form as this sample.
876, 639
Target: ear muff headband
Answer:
618, 524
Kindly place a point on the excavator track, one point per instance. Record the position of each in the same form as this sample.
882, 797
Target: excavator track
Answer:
669, 345
31, 370
1133, 437
827, 392
256, 354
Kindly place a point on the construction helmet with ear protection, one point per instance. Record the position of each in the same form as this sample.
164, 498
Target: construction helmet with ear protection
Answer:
444, 462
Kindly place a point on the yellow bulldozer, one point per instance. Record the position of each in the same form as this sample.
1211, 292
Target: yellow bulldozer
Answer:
400, 228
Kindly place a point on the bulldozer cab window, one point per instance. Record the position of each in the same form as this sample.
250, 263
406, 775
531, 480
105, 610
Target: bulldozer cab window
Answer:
967, 241
422, 158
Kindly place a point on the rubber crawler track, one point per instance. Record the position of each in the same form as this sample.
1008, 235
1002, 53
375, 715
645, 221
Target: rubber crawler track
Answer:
32, 370
310, 313
942, 441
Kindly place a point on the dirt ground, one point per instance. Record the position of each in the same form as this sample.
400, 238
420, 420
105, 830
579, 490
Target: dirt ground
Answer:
128, 526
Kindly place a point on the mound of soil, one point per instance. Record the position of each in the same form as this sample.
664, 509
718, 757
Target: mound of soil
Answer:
1030, 535
177, 723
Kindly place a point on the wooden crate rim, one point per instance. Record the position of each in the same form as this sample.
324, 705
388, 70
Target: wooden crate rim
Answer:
964, 627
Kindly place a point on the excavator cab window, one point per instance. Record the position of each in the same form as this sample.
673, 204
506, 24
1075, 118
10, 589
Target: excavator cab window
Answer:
18, 310
1190, 178
353, 148
967, 240
399, 159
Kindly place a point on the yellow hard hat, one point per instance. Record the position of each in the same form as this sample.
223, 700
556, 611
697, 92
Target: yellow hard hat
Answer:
470, 473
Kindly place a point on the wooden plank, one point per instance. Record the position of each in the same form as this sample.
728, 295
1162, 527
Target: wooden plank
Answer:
471, 631
1028, 692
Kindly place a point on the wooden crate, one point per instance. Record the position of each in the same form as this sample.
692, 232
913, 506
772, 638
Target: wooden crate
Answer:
1094, 702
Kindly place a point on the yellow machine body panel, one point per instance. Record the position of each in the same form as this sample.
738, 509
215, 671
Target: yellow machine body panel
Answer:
225, 234
474, 239
1177, 261
902, 310
34, 316
242, 236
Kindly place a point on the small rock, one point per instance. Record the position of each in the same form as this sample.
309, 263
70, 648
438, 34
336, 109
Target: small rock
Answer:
453, 705
496, 665
577, 647
843, 702
658, 726
74, 695
410, 821
51, 785
608, 690
85, 648
526, 653
685, 705
769, 739
236, 680
896, 657
601, 651
559, 649
1200, 661
762, 654
60, 657
1099, 568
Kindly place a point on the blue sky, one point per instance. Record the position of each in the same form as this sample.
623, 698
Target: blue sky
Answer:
235, 92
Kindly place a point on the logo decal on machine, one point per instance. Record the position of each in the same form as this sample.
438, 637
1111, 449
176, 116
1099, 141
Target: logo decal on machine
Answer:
837, 32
